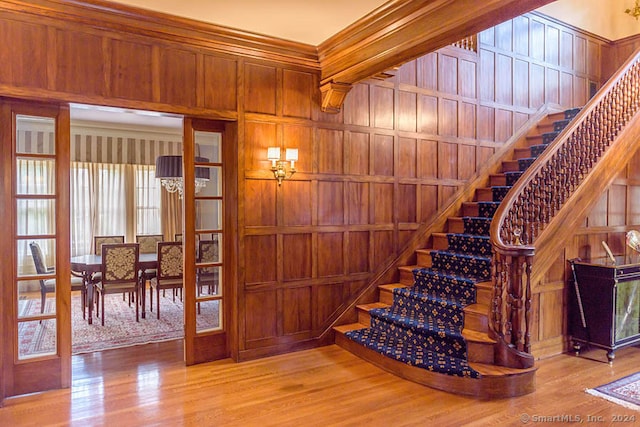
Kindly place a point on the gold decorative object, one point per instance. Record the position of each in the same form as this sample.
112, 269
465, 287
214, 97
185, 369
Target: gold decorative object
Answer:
635, 12
517, 232
279, 166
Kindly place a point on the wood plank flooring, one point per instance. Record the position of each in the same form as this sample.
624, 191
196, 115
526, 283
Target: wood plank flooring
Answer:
149, 385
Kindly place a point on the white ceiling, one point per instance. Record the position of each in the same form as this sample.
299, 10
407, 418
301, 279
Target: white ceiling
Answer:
305, 21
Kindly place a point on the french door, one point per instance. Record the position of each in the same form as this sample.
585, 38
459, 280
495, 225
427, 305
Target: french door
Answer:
209, 224
35, 276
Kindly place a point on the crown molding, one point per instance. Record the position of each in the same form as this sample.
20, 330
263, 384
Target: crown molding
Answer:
122, 18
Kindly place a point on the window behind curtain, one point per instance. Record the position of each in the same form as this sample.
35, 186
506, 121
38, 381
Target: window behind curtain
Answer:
101, 195
147, 200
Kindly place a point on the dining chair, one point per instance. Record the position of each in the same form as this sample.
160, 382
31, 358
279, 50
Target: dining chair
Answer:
177, 237
208, 252
119, 274
148, 245
169, 272
49, 285
98, 241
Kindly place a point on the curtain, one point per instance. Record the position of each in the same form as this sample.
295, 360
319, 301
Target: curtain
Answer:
35, 216
112, 200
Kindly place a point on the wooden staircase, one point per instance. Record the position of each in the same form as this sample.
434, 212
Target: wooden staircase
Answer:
495, 381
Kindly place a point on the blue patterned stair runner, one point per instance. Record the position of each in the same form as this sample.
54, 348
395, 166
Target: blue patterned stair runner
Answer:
423, 326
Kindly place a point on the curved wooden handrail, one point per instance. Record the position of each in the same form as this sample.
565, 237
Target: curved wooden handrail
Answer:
555, 183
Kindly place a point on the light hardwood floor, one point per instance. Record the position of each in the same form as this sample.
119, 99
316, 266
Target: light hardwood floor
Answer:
149, 385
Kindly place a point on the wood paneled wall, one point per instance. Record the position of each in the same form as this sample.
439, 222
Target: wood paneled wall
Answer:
367, 177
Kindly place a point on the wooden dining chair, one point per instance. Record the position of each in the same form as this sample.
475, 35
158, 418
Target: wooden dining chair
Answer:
208, 252
148, 245
119, 274
49, 285
170, 272
98, 241
177, 237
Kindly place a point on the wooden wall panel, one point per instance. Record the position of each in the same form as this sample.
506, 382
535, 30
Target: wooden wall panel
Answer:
428, 114
297, 202
260, 203
359, 153
297, 310
71, 45
261, 265
447, 74
260, 89
384, 205
258, 137
358, 202
356, 106
383, 155
382, 106
407, 157
358, 250
297, 94
331, 144
24, 56
220, 83
330, 203
131, 70
300, 137
329, 299
330, 250
297, 253
261, 319
407, 110
406, 203
177, 77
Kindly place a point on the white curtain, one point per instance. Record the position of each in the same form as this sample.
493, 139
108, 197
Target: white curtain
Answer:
35, 216
112, 200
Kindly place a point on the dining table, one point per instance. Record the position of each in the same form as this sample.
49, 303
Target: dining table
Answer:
89, 265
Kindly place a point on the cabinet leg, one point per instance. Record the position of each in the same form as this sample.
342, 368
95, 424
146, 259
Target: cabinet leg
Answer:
610, 357
576, 348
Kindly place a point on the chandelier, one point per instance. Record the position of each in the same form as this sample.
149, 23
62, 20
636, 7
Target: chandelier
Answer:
169, 171
635, 12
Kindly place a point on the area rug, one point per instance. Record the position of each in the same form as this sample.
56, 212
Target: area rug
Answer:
625, 391
120, 329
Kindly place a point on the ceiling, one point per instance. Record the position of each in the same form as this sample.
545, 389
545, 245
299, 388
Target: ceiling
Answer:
314, 21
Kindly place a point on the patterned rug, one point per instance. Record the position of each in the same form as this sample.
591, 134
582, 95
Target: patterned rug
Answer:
625, 391
120, 329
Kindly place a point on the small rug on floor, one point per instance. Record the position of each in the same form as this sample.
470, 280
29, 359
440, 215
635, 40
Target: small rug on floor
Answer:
625, 391
120, 329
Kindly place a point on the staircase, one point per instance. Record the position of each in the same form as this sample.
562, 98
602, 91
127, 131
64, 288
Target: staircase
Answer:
432, 326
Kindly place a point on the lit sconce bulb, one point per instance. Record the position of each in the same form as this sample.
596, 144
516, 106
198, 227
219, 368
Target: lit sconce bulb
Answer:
291, 155
273, 154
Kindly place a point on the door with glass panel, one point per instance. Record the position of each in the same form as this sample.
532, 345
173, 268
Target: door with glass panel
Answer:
208, 184
36, 280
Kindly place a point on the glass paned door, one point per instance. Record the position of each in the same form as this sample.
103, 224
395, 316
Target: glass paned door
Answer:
37, 247
206, 278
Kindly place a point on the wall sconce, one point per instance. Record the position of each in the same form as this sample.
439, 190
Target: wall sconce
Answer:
279, 166
169, 171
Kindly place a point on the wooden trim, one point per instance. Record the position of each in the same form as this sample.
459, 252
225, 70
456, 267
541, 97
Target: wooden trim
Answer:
379, 41
187, 32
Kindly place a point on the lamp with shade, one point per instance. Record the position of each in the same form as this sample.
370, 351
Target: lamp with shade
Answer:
169, 171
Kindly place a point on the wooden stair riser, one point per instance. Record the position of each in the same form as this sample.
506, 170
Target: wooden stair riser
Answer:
475, 320
423, 257
483, 295
484, 195
510, 166
480, 352
494, 180
522, 153
455, 225
440, 241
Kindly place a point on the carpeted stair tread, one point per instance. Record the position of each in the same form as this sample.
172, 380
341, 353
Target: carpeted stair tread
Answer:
416, 320
415, 295
499, 192
469, 243
415, 355
523, 164
512, 177
487, 209
476, 225
475, 266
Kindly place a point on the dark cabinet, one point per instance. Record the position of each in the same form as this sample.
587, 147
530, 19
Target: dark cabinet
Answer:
604, 306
